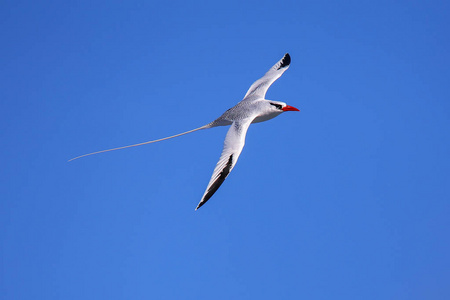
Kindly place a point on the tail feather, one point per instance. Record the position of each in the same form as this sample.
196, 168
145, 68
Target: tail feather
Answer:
144, 143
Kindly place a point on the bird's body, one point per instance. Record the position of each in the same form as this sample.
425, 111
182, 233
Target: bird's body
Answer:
254, 108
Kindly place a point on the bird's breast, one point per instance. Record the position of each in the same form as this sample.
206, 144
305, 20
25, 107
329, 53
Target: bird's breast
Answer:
265, 117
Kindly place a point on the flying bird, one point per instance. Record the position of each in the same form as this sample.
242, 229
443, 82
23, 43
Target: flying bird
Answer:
254, 108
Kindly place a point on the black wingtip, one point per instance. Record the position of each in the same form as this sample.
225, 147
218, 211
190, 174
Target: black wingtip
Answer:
220, 179
285, 61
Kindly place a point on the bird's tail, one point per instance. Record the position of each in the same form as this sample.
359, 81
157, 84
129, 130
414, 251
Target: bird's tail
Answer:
144, 143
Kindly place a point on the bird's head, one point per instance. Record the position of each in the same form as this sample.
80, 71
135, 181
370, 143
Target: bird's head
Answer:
277, 106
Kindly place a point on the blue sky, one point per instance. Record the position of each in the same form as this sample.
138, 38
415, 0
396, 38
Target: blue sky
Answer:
347, 199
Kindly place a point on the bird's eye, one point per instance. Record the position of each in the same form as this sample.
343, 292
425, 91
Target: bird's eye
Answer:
278, 106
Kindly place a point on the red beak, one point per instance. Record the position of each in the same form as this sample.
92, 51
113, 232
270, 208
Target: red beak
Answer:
287, 108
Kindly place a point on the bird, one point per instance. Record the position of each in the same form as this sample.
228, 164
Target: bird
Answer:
253, 108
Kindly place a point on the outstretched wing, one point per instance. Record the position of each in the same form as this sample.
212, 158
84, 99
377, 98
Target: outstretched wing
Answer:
234, 142
260, 86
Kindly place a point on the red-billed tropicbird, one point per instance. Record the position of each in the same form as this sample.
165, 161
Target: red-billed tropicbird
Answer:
252, 109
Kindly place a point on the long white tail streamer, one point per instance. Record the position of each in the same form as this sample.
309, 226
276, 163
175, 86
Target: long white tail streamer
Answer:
144, 143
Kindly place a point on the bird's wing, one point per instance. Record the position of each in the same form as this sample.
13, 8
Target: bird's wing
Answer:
232, 147
260, 86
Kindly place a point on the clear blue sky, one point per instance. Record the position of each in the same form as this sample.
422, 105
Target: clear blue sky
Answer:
347, 199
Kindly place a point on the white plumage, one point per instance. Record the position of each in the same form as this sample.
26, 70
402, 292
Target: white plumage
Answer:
252, 109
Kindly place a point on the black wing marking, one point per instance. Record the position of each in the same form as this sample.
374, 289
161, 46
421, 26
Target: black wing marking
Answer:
218, 182
232, 148
285, 61
259, 88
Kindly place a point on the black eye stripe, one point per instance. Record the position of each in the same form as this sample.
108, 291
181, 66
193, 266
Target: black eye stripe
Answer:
276, 105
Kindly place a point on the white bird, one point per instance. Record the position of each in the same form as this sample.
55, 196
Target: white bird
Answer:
254, 108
